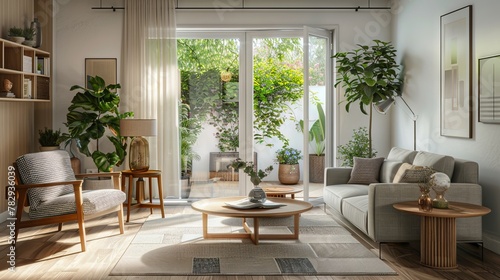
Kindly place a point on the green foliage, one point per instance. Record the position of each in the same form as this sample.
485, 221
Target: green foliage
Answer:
29, 33
369, 74
358, 146
49, 137
277, 86
288, 155
16, 32
250, 169
93, 110
189, 129
317, 131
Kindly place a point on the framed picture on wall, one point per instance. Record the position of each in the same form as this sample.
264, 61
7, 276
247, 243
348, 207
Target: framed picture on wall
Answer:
102, 67
456, 74
489, 89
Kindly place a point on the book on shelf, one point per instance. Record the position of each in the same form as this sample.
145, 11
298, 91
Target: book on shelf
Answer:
27, 88
27, 64
245, 203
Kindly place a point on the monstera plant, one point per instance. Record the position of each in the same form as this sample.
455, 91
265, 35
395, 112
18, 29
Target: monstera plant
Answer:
93, 111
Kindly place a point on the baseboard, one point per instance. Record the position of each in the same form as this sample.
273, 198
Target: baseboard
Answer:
491, 242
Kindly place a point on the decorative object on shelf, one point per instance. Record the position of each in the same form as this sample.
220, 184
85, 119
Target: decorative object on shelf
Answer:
7, 86
256, 194
289, 170
49, 139
456, 73
35, 25
29, 36
139, 146
16, 34
440, 183
92, 111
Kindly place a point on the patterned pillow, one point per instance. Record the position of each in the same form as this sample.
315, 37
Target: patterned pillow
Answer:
408, 173
366, 170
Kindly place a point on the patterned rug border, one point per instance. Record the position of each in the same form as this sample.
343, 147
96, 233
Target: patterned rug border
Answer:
174, 247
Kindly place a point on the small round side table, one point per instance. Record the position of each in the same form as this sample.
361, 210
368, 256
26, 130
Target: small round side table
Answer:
438, 233
150, 174
281, 191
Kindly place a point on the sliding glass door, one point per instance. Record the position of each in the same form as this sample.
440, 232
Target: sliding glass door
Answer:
249, 95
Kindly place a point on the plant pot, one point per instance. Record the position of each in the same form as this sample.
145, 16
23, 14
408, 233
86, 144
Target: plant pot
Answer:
289, 174
48, 148
316, 168
185, 186
17, 39
29, 43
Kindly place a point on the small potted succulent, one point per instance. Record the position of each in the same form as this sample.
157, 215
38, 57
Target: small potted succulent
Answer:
49, 139
16, 34
29, 35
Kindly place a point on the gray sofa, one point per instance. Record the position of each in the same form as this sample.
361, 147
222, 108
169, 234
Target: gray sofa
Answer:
369, 207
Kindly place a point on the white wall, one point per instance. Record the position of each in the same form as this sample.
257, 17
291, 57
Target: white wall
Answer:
80, 33
417, 38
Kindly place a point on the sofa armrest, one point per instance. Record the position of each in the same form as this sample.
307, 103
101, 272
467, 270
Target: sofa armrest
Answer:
337, 175
386, 224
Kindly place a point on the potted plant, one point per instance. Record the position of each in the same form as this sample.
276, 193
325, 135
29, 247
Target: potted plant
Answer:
29, 34
358, 146
369, 75
49, 139
317, 140
256, 176
94, 110
289, 171
16, 34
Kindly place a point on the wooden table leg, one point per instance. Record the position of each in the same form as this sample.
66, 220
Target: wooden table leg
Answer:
150, 182
438, 244
204, 218
129, 196
160, 194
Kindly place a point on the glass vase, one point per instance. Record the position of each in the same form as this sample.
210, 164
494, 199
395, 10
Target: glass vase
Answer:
257, 195
425, 201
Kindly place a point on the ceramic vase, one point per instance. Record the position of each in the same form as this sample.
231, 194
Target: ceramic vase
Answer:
289, 174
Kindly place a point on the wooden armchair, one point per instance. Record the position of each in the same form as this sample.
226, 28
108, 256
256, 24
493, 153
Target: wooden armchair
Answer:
45, 181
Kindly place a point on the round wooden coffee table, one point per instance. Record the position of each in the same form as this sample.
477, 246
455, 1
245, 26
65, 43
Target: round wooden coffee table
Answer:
438, 233
281, 191
218, 207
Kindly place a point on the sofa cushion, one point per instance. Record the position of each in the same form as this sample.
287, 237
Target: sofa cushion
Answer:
440, 163
366, 170
408, 173
355, 209
400, 154
388, 170
333, 195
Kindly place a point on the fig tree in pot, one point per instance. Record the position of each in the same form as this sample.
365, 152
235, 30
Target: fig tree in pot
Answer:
369, 75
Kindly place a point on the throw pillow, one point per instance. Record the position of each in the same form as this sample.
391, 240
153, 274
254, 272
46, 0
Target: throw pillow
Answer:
366, 170
408, 173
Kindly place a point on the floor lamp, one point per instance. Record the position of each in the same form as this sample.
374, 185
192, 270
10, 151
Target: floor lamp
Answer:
383, 107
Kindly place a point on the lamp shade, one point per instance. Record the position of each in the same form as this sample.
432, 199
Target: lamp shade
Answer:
138, 127
383, 106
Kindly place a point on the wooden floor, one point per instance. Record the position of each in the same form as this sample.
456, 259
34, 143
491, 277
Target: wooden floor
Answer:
44, 253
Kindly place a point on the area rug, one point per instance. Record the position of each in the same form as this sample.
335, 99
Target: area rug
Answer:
174, 246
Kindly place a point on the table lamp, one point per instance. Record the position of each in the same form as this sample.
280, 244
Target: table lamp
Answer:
139, 146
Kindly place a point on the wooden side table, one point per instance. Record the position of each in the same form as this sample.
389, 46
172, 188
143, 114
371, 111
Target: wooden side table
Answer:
150, 174
438, 237
279, 191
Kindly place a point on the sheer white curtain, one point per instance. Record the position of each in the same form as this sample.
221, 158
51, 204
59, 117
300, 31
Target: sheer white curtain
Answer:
150, 83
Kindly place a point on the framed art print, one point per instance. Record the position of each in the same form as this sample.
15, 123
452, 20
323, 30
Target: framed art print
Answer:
456, 74
489, 89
